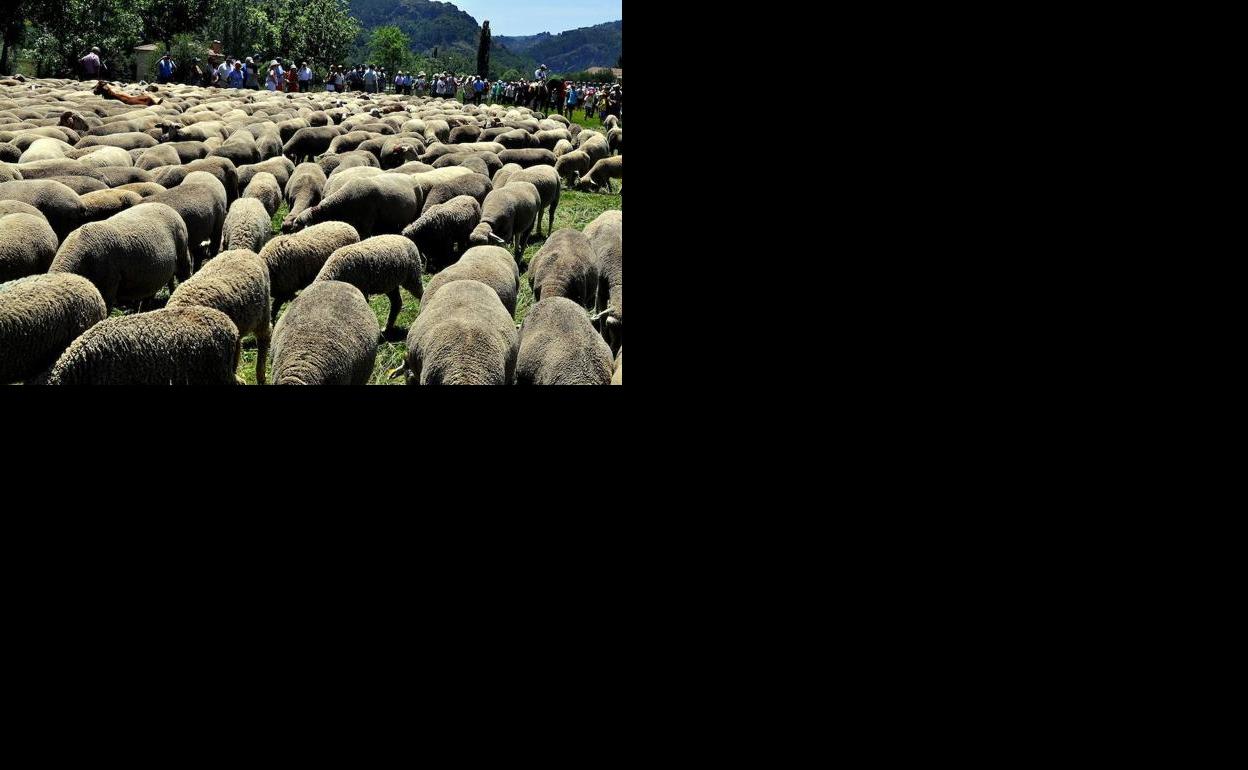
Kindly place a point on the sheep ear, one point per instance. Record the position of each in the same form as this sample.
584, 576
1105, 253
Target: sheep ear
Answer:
496, 238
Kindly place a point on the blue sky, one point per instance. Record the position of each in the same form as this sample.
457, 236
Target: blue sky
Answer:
508, 17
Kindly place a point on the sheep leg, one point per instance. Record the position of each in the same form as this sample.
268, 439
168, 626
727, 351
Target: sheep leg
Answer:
396, 304
540, 211
262, 354
609, 190
550, 227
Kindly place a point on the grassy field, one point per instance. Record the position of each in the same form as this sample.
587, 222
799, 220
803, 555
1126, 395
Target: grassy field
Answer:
576, 209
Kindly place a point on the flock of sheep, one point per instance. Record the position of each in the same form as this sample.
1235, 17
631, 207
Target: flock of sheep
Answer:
105, 204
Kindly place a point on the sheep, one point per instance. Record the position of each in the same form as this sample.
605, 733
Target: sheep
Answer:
289, 129
566, 266
559, 346
155, 157
304, 189
330, 163
437, 130
60, 204
337, 180
102, 204
573, 165
44, 169
81, 185
171, 346
615, 140
45, 148
546, 180
385, 203
443, 228
115, 176
237, 284
378, 265
585, 136
528, 158
201, 202
327, 337
548, 139
240, 149
596, 148
602, 173
281, 168
295, 260
143, 189
189, 151
104, 157
129, 256
27, 245
397, 150
605, 235
464, 134
464, 337
126, 141
10, 173
248, 225
17, 207
508, 215
267, 190
491, 265
349, 141
9, 153
516, 139
270, 146
618, 377
484, 163
562, 147
503, 174
222, 168
199, 132
39, 316
307, 144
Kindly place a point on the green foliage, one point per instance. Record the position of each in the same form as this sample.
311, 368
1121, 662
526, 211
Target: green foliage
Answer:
576, 49
511, 75
602, 76
320, 31
388, 48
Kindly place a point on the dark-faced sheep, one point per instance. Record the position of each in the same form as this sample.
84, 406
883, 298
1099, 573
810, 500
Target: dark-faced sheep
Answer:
508, 215
130, 256
171, 346
328, 336
559, 346
379, 265
566, 266
39, 316
444, 229
491, 265
375, 205
462, 337
59, 204
27, 245
236, 283
295, 260
248, 225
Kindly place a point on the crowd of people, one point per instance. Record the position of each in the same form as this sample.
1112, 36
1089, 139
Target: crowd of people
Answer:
543, 91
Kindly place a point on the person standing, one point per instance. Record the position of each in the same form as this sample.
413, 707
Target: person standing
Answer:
370, 80
251, 75
165, 69
221, 74
272, 81
236, 77
305, 77
91, 64
571, 103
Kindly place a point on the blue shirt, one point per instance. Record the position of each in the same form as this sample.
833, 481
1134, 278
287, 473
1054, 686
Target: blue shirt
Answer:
166, 67
234, 79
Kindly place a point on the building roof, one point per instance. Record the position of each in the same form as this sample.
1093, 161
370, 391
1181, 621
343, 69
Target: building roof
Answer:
147, 47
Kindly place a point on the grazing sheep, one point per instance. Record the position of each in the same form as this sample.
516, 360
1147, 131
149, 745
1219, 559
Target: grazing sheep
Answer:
175, 132
102, 204
45, 148
304, 189
559, 346
349, 141
566, 266
508, 214
295, 260
443, 229
615, 140
237, 284
224, 170
240, 149
265, 188
546, 180
548, 139
327, 337
171, 346
618, 377
155, 157
573, 165
116, 176
45, 169
201, 202
337, 180
491, 265
464, 337
10, 174
104, 157
464, 134
397, 150
516, 139
504, 173
612, 122
281, 168
562, 147
126, 141
289, 129
188, 152
606, 235
379, 265
27, 246
596, 148
473, 185
60, 204
330, 163
17, 207
383, 204
248, 225
129, 256
437, 131
528, 158
584, 136
602, 173
39, 316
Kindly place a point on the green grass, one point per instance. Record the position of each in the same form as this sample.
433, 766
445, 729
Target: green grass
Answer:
576, 209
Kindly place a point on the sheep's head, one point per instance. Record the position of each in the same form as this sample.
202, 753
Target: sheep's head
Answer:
295, 224
484, 235
75, 121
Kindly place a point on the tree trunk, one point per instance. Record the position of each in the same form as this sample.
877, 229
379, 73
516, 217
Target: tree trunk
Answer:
4, 59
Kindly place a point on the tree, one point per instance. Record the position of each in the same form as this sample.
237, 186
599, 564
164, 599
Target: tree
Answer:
388, 47
483, 51
13, 28
328, 29
67, 29
165, 19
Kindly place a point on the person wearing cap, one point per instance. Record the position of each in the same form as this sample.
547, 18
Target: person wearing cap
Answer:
165, 69
91, 63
